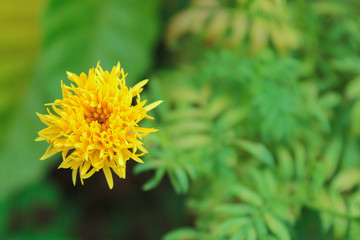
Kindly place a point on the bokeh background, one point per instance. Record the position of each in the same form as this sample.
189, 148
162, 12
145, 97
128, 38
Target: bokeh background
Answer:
259, 129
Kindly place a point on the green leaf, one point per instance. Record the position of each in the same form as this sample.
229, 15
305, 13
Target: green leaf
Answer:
346, 180
217, 106
184, 234
323, 201
18, 44
139, 168
157, 92
330, 100
231, 226
182, 179
277, 227
354, 231
285, 162
19, 157
354, 208
355, 117
258, 179
271, 182
240, 234
174, 181
331, 8
283, 212
340, 223
181, 114
260, 227
193, 141
300, 158
327, 221
230, 119
152, 183
247, 195
251, 234
332, 156
189, 127
353, 89
234, 210
259, 151
78, 34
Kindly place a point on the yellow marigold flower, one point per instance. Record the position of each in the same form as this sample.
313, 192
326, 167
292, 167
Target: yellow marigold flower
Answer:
96, 124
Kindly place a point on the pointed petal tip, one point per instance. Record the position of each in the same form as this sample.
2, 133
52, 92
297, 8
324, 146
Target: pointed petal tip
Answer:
38, 139
153, 105
74, 173
108, 176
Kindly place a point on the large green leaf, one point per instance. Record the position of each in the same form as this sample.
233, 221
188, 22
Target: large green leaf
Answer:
77, 34
19, 157
18, 44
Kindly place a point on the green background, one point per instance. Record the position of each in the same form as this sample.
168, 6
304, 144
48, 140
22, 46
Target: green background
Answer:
259, 129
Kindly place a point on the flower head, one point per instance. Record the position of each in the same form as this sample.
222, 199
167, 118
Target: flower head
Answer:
95, 124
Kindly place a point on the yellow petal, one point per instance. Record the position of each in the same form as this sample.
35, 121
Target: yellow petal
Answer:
64, 153
85, 168
133, 156
40, 139
121, 159
138, 86
153, 105
81, 180
44, 118
67, 164
120, 172
141, 148
69, 74
108, 176
144, 130
49, 152
89, 173
74, 173
50, 131
149, 117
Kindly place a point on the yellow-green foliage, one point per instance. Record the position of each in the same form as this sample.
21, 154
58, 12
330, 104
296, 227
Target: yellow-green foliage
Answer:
18, 43
258, 142
230, 25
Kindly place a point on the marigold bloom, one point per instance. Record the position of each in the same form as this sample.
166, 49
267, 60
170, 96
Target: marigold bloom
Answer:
96, 124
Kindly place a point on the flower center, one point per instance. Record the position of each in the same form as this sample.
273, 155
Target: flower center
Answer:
101, 115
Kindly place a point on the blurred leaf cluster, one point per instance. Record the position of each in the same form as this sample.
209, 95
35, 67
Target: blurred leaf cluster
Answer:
259, 128
232, 23
263, 135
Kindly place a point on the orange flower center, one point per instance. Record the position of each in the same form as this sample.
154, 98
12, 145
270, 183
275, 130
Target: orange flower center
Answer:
100, 115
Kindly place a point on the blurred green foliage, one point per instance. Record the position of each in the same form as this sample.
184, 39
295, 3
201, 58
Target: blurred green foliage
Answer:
17, 55
257, 140
259, 129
